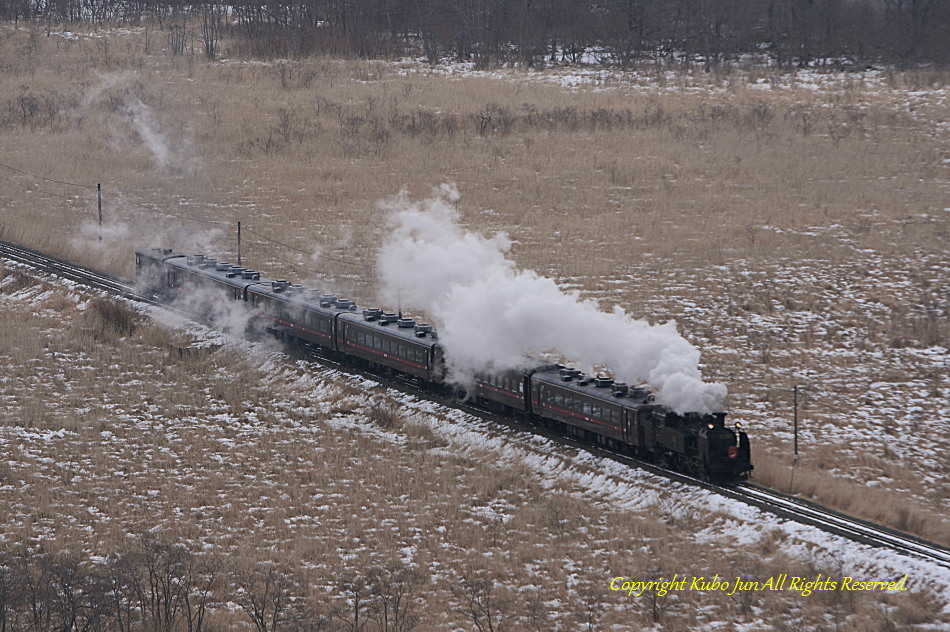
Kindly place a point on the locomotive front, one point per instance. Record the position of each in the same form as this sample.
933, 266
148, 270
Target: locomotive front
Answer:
725, 451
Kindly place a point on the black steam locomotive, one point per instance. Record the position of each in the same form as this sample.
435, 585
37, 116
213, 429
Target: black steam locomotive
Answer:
597, 409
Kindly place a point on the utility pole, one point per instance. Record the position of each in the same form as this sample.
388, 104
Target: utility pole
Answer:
239, 243
99, 190
795, 419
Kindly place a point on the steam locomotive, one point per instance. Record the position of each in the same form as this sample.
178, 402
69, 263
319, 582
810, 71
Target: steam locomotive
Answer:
597, 409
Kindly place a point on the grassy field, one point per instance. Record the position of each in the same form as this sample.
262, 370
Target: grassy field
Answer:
794, 225
288, 490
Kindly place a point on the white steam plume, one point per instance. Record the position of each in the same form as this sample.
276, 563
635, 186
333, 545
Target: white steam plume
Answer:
490, 313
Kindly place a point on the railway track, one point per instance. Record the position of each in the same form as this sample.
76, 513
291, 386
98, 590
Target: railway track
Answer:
782, 505
80, 274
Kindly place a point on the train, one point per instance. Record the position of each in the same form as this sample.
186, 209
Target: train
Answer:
595, 409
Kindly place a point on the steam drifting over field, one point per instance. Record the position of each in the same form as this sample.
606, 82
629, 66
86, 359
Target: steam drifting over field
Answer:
490, 313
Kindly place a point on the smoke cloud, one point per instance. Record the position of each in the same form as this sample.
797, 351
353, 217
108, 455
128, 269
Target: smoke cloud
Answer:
490, 313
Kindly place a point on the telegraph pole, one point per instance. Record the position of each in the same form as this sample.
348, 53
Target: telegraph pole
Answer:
239, 243
99, 190
795, 417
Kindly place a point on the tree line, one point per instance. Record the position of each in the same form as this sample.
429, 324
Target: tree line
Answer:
615, 33
158, 586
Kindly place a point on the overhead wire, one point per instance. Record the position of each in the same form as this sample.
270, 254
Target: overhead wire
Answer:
33, 175
42, 192
305, 252
154, 209
184, 217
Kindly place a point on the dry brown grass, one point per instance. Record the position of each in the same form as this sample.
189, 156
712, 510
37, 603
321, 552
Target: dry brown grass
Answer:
744, 196
327, 481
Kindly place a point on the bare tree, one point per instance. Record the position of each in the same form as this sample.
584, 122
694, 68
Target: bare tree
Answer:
395, 589
481, 601
356, 589
266, 595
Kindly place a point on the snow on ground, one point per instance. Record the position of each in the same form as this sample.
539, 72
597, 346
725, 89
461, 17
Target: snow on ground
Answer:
660, 79
342, 398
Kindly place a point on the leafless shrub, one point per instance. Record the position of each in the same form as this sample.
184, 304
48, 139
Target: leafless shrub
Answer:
423, 435
803, 118
355, 589
536, 611
494, 119
267, 594
13, 281
588, 607
918, 607
653, 603
385, 414
395, 594
114, 316
758, 116
481, 600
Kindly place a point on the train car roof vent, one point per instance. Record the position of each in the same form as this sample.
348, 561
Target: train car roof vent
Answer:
406, 323
641, 393
387, 317
194, 260
583, 380
602, 382
222, 266
326, 300
619, 389
297, 287
279, 286
344, 303
235, 271
569, 373
422, 329
251, 275
209, 263
371, 313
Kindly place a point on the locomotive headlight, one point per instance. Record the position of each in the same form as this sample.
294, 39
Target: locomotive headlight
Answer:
738, 426
710, 426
